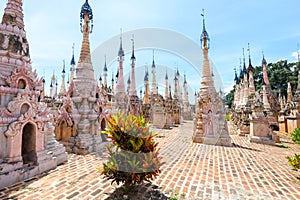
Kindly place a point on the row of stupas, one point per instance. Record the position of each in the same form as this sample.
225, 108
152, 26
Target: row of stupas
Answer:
81, 107
151, 104
260, 113
289, 114
37, 131
27, 143
255, 112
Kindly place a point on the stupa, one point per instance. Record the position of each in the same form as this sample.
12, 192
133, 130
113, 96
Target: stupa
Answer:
83, 112
211, 126
27, 143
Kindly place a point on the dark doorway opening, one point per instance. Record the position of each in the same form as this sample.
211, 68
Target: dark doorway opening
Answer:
29, 144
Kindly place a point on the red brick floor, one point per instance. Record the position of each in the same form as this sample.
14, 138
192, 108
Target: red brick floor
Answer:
194, 171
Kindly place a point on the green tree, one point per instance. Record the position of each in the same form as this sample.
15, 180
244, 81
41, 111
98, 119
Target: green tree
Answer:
229, 98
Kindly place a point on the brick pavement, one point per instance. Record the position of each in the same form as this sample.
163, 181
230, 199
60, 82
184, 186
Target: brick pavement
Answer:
193, 171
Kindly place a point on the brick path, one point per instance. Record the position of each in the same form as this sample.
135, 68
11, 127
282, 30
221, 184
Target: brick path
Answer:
192, 171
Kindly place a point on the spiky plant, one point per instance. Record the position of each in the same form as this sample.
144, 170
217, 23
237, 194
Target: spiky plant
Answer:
133, 156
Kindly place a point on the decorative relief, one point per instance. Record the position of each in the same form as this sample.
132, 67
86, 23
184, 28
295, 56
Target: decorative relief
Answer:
22, 75
14, 43
30, 116
64, 112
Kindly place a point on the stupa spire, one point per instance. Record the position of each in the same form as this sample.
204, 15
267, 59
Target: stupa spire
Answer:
146, 82
265, 74
120, 81
112, 83
204, 38
167, 86
72, 63
105, 72
132, 91
250, 64
153, 86
62, 86
84, 79
86, 18
207, 82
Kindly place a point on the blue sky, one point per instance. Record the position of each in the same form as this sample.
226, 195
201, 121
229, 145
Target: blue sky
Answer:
270, 26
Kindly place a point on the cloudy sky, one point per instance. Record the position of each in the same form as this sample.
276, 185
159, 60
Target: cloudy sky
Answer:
271, 26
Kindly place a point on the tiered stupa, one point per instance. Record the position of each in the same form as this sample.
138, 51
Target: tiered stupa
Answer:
211, 126
27, 143
79, 118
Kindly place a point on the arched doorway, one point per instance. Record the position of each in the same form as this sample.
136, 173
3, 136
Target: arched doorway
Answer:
29, 144
103, 126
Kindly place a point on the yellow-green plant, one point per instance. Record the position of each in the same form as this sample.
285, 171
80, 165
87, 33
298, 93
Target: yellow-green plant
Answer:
294, 161
295, 136
133, 156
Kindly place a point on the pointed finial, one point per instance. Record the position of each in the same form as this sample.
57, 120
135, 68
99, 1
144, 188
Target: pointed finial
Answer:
264, 62
129, 81
63, 71
166, 77
244, 60
132, 39
241, 71
146, 73
204, 38
202, 14
249, 54
86, 10
73, 59
249, 50
153, 63
121, 52
105, 66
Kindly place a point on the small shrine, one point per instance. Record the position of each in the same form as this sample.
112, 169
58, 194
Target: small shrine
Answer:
210, 122
27, 143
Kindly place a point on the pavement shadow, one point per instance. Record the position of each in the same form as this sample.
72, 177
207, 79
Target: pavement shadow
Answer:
243, 147
137, 192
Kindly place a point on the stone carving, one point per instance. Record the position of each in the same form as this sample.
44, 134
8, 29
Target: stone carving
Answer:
22, 77
14, 44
